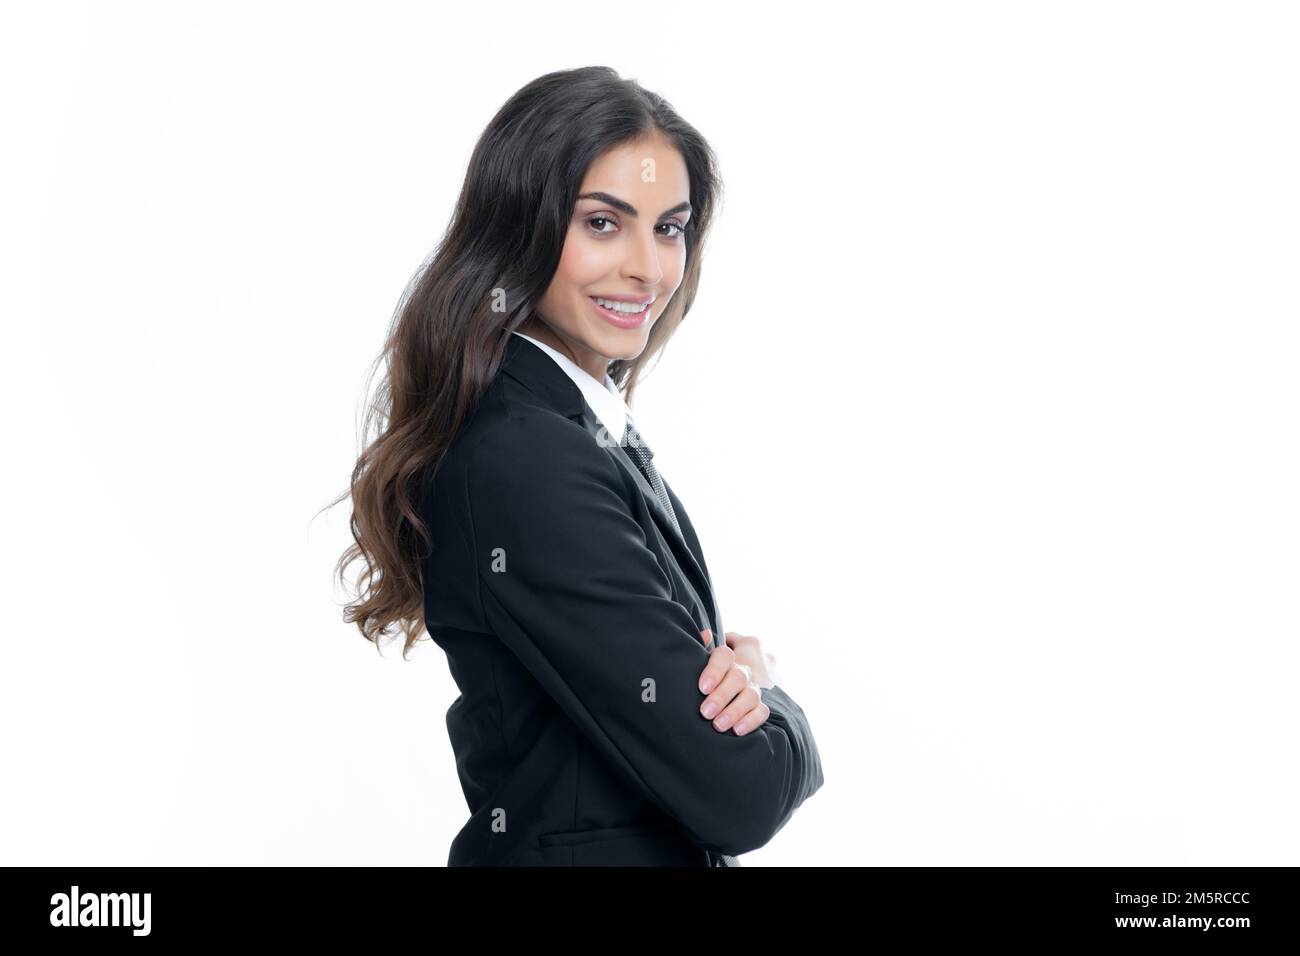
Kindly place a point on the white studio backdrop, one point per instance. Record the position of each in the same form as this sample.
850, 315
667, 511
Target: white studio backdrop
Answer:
986, 414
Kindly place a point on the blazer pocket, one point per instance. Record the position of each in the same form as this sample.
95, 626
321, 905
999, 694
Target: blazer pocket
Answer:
576, 837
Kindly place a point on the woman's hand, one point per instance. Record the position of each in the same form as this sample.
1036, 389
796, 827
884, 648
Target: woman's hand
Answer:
734, 697
749, 650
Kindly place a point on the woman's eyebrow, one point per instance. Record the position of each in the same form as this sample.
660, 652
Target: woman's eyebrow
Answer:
628, 208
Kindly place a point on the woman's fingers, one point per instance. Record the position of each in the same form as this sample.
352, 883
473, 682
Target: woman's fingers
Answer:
751, 720
738, 712
720, 660
733, 682
734, 703
732, 697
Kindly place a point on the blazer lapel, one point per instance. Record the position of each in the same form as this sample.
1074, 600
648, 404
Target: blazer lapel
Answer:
536, 371
693, 542
682, 549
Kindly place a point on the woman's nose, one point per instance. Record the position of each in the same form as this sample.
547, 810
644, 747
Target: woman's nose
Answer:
642, 261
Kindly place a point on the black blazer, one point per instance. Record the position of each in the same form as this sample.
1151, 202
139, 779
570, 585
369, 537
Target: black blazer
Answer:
570, 610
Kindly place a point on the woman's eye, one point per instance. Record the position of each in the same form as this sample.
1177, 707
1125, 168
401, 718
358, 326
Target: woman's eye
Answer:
672, 224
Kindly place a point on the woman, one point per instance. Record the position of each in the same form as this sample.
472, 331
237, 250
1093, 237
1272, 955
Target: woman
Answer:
511, 507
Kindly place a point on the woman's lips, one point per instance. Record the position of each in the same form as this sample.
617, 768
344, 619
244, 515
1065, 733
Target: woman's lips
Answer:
624, 320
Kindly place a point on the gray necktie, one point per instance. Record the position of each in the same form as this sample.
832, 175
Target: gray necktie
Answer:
641, 454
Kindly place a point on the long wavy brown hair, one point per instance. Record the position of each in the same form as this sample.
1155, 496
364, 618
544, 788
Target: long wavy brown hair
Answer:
454, 318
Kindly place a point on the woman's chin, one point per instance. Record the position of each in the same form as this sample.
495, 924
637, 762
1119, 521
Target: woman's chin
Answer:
621, 344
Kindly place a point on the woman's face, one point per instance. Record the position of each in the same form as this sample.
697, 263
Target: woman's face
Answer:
626, 244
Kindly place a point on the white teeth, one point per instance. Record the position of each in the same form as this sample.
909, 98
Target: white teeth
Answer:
629, 307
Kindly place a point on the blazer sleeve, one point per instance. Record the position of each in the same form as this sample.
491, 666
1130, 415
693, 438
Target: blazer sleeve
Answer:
566, 580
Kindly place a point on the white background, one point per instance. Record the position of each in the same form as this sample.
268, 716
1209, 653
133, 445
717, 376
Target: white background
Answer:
986, 414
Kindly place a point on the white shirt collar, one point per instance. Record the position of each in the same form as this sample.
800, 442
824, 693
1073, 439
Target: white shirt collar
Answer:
604, 399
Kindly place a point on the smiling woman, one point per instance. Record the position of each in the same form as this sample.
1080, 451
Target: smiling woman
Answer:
604, 717
619, 269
